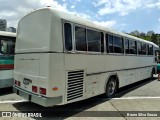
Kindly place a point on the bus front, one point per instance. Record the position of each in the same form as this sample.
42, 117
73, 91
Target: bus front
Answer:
38, 59
7, 42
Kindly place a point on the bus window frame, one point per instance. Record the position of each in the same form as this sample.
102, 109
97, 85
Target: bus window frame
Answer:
99, 40
63, 36
7, 37
86, 28
106, 46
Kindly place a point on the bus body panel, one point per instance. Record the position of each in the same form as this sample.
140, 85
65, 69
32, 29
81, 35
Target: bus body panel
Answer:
38, 39
6, 78
30, 41
37, 67
28, 67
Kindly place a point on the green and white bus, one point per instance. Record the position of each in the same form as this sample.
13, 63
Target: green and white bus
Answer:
62, 58
7, 46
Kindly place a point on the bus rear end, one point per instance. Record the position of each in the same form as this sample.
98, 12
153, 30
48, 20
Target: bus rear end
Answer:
32, 77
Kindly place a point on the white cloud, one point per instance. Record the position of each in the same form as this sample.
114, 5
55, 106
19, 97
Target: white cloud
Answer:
122, 7
108, 24
159, 19
85, 16
73, 6
155, 4
14, 10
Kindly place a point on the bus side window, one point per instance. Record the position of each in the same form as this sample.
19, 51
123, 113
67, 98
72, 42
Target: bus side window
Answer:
139, 47
136, 47
68, 36
93, 40
132, 47
107, 50
102, 42
126, 46
150, 50
118, 44
122, 45
147, 49
144, 50
110, 43
80, 38
3, 47
156, 55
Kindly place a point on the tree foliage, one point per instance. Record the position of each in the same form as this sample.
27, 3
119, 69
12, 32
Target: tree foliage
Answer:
155, 38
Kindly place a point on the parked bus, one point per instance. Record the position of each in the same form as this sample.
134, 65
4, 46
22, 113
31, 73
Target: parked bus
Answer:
7, 43
62, 58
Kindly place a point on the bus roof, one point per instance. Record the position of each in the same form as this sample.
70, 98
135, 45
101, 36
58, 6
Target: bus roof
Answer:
9, 34
72, 17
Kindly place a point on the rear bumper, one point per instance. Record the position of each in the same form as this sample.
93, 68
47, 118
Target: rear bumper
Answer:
44, 101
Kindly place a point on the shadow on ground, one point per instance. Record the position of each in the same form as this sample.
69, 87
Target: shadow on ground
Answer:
72, 109
5, 91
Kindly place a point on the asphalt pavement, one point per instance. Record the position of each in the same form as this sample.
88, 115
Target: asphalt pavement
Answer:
134, 102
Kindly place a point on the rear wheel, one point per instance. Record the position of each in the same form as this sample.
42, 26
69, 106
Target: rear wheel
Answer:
111, 87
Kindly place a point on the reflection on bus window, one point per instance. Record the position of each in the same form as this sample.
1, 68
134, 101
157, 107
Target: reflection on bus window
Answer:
80, 38
93, 40
7, 47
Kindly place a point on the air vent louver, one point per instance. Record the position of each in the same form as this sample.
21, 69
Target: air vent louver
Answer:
75, 85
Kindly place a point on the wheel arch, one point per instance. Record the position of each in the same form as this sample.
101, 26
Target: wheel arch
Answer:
115, 76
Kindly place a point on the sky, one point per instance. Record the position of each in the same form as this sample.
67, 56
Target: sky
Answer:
120, 15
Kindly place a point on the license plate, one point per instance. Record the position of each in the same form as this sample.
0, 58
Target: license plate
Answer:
26, 81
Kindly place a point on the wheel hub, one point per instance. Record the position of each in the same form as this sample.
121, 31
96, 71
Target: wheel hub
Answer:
111, 88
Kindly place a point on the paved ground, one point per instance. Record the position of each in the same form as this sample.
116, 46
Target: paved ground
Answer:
144, 96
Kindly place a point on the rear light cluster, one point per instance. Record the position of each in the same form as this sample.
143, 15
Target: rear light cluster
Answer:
41, 90
18, 83
34, 88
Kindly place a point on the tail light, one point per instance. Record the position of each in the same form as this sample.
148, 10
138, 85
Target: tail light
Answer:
18, 83
42, 91
34, 89
15, 82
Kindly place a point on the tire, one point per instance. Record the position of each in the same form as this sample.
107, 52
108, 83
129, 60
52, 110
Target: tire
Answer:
111, 88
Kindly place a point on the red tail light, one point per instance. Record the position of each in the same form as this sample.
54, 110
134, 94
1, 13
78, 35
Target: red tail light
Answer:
34, 89
42, 91
15, 82
18, 83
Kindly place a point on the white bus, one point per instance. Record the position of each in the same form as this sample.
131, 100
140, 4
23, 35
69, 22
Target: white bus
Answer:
7, 43
62, 58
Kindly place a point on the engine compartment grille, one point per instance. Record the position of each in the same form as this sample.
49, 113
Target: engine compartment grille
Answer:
75, 84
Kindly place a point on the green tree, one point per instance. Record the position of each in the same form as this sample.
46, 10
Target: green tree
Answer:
154, 38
